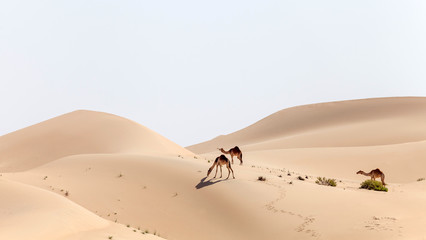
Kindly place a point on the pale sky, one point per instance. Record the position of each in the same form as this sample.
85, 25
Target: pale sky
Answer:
192, 70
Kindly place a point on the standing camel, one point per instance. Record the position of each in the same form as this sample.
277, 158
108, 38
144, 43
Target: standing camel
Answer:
376, 173
221, 160
234, 152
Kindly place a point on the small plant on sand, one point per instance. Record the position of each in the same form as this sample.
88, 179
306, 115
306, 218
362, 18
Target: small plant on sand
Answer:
45, 177
420, 179
120, 175
261, 178
373, 185
326, 181
67, 193
110, 237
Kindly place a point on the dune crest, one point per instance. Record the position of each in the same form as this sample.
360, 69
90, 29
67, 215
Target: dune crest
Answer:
80, 132
365, 122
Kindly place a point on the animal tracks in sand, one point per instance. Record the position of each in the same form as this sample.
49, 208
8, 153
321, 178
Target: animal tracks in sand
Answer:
383, 224
306, 220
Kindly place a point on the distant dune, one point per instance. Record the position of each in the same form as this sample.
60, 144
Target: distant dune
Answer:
80, 132
92, 175
367, 122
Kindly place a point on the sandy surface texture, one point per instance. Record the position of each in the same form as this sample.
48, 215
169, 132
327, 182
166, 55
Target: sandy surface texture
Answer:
92, 175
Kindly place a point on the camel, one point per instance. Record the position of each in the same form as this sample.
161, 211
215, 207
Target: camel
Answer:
376, 173
221, 160
234, 152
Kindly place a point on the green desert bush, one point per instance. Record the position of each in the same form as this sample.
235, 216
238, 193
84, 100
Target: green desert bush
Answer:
326, 181
373, 185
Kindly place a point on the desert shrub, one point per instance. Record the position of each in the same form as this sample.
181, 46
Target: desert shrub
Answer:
261, 178
326, 181
420, 179
373, 185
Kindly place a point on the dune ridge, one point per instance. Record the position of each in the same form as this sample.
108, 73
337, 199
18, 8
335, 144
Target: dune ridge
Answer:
80, 132
362, 122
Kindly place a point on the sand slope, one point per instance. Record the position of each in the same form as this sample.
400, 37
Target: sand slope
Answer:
170, 196
80, 132
364, 122
163, 195
28, 212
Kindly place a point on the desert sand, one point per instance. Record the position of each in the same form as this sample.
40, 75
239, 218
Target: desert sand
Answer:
92, 175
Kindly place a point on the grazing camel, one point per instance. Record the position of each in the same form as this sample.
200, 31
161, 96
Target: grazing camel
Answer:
376, 173
221, 160
234, 152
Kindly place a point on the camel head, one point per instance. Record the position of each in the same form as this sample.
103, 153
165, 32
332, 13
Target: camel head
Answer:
360, 172
220, 149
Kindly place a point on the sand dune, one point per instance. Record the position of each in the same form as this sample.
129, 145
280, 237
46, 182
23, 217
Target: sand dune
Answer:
118, 173
80, 132
364, 122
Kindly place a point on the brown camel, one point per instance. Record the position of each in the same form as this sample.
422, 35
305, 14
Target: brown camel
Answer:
234, 152
376, 173
221, 160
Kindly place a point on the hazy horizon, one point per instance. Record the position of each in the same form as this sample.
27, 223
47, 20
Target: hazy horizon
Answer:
193, 70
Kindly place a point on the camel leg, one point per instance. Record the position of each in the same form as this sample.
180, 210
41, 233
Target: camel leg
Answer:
229, 171
232, 158
383, 180
209, 171
216, 172
241, 159
220, 171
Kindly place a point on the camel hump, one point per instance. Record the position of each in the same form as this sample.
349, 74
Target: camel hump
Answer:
236, 148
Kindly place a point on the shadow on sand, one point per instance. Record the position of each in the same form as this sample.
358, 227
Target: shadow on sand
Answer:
210, 182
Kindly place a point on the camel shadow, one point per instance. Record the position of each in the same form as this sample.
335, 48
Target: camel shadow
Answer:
210, 182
